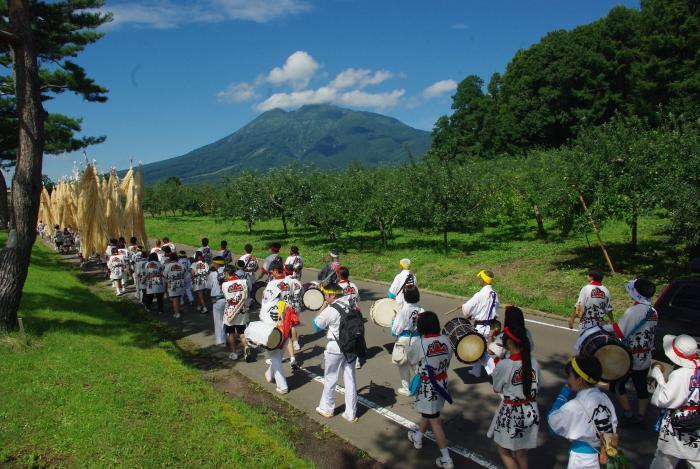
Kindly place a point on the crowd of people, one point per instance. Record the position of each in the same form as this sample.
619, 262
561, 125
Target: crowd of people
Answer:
582, 413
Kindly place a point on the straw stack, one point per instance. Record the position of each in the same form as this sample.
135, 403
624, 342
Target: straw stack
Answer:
45, 212
113, 206
91, 219
132, 188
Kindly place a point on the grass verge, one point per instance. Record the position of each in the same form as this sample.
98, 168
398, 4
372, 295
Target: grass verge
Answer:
544, 274
97, 385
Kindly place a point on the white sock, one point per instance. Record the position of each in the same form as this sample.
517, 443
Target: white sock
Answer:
418, 435
445, 453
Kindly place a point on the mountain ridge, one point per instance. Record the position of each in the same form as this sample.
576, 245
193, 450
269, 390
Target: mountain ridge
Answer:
321, 135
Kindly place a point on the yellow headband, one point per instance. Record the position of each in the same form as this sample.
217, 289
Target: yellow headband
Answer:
331, 292
580, 372
403, 265
482, 275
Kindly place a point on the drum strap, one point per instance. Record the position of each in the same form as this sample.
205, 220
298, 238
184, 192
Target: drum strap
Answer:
640, 324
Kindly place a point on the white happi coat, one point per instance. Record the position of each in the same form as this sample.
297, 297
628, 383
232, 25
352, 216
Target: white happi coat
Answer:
579, 418
594, 298
174, 275
294, 292
406, 319
250, 264
116, 266
640, 343
352, 292
270, 293
517, 419
483, 306
153, 273
435, 351
396, 288
674, 394
159, 252
294, 261
199, 271
236, 295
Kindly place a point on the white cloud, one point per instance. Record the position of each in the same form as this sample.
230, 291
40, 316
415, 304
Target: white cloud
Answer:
297, 70
360, 77
439, 87
460, 26
164, 14
328, 94
238, 92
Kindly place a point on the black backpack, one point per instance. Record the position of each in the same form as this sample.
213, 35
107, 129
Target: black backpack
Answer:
351, 333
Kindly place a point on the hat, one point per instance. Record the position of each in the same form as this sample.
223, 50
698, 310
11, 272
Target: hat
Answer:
218, 260
640, 290
486, 276
182, 253
405, 263
682, 350
334, 252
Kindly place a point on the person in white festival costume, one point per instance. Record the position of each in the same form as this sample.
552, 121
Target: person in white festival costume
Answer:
516, 378
335, 361
116, 266
250, 263
679, 396
174, 275
404, 279
483, 308
584, 418
293, 297
236, 316
275, 311
432, 352
405, 328
199, 272
155, 284
353, 293
186, 264
215, 278
295, 262
593, 305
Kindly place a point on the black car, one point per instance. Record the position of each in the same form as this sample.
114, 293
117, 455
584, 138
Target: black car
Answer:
678, 307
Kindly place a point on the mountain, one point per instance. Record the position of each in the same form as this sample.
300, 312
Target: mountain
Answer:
322, 135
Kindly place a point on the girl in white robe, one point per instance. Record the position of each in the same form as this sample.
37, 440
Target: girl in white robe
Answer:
516, 378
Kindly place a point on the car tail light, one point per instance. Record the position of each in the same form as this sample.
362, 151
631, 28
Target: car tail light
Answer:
663, 292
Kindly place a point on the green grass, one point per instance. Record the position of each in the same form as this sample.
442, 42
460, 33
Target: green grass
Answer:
98, 386
540, 274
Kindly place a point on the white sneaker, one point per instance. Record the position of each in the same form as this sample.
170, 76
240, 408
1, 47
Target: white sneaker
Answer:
324, 413
296, 346
233, 356
199, 308
204, 310
176, 315
403, 392
444, 463
351, 420
282, 390
418, 444
268, 362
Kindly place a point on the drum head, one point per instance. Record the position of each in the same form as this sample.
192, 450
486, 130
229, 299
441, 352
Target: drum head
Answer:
615, 361
383, 312
258, 290
275, 339
471, 348
313, 299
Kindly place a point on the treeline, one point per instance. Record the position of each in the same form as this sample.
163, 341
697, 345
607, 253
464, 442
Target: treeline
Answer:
620, 170
631, 62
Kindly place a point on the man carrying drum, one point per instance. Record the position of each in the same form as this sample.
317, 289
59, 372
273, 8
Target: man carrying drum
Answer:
404, 329
335, 361
592, 306
403, 279
483, 308
353, 293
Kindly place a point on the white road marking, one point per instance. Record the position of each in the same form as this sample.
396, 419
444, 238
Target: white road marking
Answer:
404, 422
551, 325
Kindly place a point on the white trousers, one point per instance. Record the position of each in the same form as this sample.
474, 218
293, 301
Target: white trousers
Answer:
666, 461
583, 461
486, 361
188, 289
217, 311
334, 364
274, 371
406, 369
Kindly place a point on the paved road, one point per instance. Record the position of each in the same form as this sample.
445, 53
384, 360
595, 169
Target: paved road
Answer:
381, 429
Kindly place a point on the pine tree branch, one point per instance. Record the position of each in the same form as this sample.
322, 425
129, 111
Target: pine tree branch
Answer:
8, 37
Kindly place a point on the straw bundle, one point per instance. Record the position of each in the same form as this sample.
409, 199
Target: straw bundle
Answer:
133, 212
65, 203
91, 219
45, 213
113, 206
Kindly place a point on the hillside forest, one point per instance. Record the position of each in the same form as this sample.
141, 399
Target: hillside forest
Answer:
586, 126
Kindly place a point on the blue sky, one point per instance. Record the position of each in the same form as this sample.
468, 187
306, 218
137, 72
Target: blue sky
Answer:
184, 74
